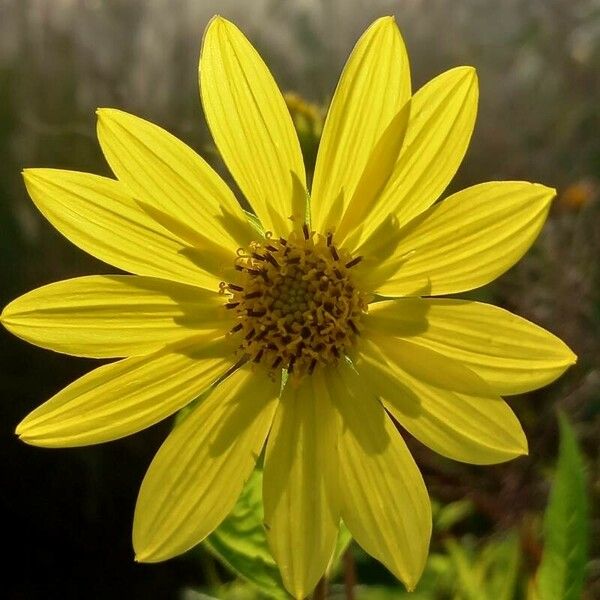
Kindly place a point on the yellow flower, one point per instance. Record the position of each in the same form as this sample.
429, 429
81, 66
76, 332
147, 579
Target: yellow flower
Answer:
280, 319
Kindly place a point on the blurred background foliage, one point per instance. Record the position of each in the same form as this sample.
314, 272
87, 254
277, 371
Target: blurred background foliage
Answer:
68, 512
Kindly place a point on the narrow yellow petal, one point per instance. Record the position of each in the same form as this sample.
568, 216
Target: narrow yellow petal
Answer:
442, 118
373, 87
509, 353
113, 316
460, 244
301, 498
99, 216
168, 176
200, 470
378, 170
440, 402
384, 500
252, 126
121, 398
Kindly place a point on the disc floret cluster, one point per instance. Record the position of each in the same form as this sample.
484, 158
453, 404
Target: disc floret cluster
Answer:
296, 306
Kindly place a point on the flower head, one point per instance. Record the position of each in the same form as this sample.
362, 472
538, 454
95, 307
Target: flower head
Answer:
307, 326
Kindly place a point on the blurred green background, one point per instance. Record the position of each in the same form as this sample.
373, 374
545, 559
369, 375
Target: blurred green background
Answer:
67, 513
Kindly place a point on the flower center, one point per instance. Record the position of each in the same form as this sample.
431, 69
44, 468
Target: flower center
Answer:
296, 305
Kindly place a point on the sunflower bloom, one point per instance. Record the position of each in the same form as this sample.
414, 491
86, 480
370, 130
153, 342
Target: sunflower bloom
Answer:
310, 326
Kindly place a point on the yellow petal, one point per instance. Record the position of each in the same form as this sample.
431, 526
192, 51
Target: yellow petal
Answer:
167, 175
510, 354
460, 244
442, 118
373, 87
378, 170
99, 216
200, 470
252, 126
384, 501
440, 402
300, 485
121, 398
113, 316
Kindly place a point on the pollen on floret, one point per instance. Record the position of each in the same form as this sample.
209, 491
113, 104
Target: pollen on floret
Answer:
295, 303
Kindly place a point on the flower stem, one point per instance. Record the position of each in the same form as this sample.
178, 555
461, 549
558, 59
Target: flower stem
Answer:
320, 592
349, 574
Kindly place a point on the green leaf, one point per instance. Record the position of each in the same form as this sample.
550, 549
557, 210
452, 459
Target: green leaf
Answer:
469, 573
240, 542
485, 572
447, 516
191, 594
378, 592
566, 523
241, 545
504, 558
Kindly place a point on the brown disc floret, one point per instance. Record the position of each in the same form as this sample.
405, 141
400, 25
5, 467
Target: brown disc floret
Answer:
296, 305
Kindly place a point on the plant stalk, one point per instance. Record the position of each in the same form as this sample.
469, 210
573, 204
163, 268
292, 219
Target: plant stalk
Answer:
349, 574
320, 592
